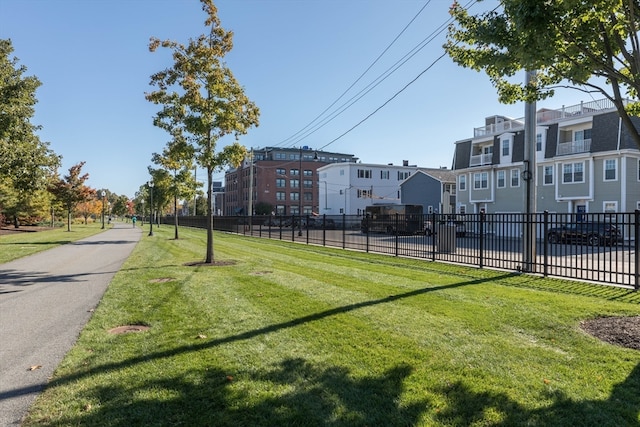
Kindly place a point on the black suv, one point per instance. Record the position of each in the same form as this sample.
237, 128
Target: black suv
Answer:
590, 233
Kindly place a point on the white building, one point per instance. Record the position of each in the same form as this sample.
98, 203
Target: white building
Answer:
348, 188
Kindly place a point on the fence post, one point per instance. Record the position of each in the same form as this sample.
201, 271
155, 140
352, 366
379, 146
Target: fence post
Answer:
636, 226
324, 229
344, 229
433, 236
481, 248
545, 245
397, 232
366, 234
307, 223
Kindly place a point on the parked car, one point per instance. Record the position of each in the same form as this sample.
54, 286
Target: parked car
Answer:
327, 223
590, 233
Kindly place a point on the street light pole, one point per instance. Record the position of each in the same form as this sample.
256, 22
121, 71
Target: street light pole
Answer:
103, 194
151, 208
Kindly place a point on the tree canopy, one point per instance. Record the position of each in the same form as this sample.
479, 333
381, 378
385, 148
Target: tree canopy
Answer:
592, 44
26, 163
203, 102
70, 190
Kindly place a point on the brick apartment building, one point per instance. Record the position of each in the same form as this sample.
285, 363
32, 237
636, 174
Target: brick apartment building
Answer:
284, 179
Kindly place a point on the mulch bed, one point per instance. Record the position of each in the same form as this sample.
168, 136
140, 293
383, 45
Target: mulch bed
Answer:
22, 229
622, 331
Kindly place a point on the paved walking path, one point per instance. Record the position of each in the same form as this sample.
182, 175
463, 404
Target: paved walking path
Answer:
45, 301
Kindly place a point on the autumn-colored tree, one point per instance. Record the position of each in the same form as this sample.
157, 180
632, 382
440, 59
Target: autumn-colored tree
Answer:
71, 191
561, 40
89, 208
202, 100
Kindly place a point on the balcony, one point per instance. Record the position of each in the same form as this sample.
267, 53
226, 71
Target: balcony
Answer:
573, 147
481, 159
544, 116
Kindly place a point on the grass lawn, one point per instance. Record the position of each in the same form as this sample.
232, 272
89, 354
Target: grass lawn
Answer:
18, 245
293, 335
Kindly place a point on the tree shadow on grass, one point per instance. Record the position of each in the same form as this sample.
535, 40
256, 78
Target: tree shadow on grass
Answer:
294, 393
467, 407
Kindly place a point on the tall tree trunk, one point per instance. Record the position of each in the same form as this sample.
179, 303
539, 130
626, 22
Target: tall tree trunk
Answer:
175, 215
209, 259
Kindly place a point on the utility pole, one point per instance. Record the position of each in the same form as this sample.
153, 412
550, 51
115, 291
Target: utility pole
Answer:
251, 190
529, 176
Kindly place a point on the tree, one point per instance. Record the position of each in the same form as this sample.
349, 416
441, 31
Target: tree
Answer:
263, 208
71, 191
202, 100
562, 40
177, 158
26, 163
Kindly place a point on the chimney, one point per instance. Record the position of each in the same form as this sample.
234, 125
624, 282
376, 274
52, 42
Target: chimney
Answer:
405, 163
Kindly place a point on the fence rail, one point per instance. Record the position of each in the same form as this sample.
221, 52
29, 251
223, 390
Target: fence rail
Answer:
594, 247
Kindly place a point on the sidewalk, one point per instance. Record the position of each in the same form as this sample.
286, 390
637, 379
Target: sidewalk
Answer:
45, 301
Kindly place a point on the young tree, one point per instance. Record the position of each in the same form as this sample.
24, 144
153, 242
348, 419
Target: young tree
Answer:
201, 99
574, 40
177, 158
71, 191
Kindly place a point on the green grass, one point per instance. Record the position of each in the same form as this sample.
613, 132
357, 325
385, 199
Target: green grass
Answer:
293, 335
18, 245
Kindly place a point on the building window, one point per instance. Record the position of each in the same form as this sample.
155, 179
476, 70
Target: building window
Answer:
538, 142
308, 196
501, 179
294, 172
308, 183
611, 169
572, 172
402, 175
515, 177
281, 183
480, 180
505, 147
610, 207
308, 172
548, 175
364, 173
364, 194
280, 171
281, 156
462, 209
294, 183
429, 209
281, 195
280, 210
462, 182
384, 174
294, 195
341, 172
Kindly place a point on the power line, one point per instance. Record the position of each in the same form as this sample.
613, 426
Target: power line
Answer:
357, 80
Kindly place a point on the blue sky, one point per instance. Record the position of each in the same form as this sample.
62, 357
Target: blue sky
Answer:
295, 58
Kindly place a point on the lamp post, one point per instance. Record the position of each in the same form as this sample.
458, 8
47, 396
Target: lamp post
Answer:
142, 218
103, 194
150, 183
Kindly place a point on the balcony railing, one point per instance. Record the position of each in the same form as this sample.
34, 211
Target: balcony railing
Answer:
547, 115
573, 147
481, 159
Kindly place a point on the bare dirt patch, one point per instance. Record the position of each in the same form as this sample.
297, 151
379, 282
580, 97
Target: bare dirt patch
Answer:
622, 331
128, 328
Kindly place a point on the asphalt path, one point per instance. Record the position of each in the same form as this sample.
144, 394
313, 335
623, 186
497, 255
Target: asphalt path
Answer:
45, 301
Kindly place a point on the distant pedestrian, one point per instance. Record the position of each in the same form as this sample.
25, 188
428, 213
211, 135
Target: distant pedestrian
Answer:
134, 219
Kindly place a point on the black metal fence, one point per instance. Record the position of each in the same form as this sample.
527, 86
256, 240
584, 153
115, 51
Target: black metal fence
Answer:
598, 247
